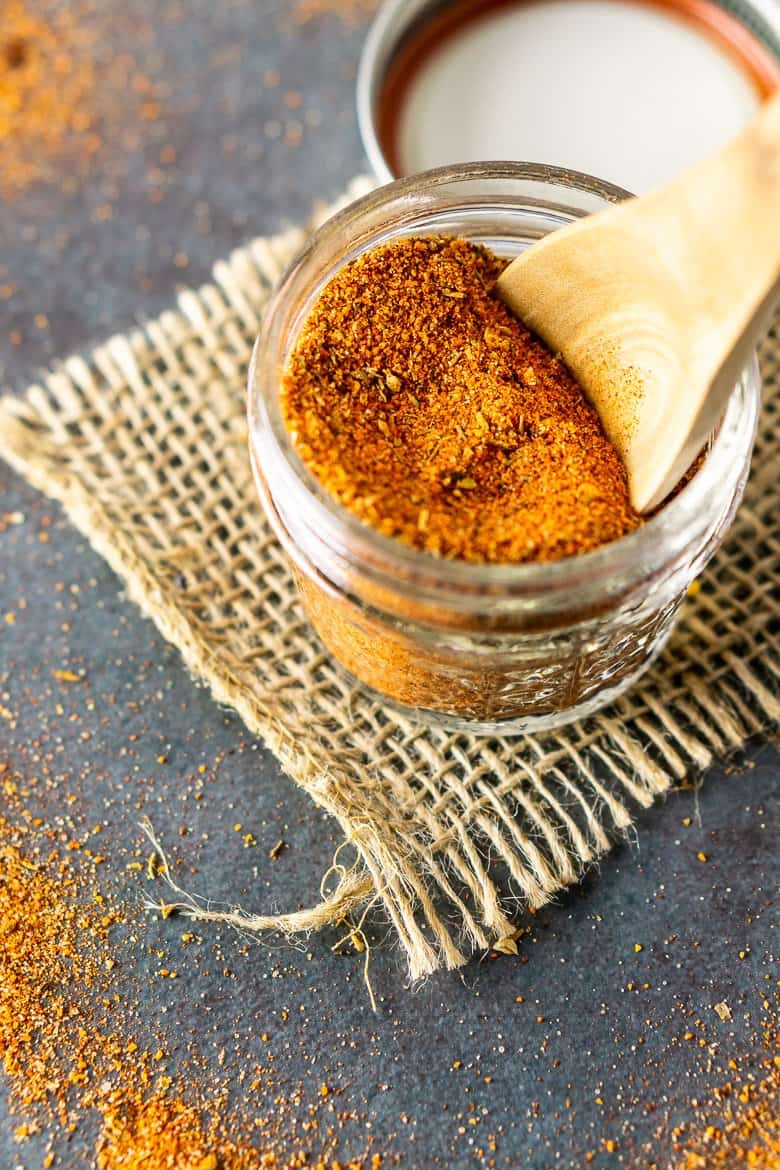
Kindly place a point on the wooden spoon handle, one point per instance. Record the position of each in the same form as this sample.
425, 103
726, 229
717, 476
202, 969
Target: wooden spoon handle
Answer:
734, 220
734, 273
655, 304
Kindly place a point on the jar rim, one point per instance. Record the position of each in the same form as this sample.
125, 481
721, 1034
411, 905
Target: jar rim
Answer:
659, 540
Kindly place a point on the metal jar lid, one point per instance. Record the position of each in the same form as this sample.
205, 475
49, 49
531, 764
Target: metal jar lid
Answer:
630, 90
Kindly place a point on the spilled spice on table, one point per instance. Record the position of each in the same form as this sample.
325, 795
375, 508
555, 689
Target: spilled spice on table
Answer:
429, 411
47, 89
66, 1034
65, 93
743, 1119
349, 11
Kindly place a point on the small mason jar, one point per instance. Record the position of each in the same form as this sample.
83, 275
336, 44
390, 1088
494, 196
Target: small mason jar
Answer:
488, 647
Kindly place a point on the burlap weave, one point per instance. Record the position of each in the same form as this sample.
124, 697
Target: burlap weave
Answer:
144, 444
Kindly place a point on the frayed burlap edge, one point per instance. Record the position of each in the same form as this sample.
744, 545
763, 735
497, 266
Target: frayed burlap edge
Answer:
144, 445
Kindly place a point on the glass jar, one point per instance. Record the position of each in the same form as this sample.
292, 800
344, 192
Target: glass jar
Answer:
488, 647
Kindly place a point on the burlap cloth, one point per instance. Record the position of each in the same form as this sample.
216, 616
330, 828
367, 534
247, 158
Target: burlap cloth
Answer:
144, 444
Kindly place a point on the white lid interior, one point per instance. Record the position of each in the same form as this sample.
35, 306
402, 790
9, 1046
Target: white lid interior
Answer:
623, 89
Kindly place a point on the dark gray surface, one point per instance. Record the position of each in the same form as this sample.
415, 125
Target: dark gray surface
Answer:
235, 174
603, 1063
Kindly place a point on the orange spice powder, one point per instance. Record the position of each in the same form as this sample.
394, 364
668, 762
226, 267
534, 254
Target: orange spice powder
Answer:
66, 1036
426, 408
742, 1127
47, 89
349, 11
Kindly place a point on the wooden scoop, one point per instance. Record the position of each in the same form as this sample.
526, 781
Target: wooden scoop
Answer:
655, 304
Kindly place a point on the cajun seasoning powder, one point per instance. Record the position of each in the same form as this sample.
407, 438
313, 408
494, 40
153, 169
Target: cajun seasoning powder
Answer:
69, 1017
457, 446
428, 410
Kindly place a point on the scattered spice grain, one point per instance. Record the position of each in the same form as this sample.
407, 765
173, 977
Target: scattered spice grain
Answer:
349, 11
66, 1042
742, 1127
426, 408
70, 94
47, 88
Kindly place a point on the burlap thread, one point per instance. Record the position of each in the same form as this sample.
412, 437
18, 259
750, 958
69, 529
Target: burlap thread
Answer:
144, 444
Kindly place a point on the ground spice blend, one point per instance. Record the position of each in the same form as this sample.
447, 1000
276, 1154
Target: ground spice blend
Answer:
69, 996
426, 408
47, 90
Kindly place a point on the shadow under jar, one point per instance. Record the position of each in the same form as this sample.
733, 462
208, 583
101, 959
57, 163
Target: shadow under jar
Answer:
484, 647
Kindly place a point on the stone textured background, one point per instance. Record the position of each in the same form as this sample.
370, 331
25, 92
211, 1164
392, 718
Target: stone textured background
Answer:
256, 120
